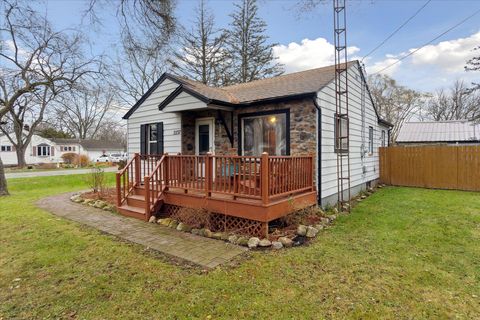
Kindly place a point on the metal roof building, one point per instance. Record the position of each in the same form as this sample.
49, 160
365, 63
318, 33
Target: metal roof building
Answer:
452, 131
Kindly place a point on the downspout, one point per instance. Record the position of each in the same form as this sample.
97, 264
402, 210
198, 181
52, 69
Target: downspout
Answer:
319, 150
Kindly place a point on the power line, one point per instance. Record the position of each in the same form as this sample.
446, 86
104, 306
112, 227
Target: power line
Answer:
427, 43
398, 29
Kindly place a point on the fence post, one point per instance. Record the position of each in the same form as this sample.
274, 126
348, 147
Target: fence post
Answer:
137, 168
119, 189
165, 171
208, 174
264, 173
146, 181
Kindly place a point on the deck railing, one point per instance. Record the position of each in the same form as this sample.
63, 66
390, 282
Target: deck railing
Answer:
263, 178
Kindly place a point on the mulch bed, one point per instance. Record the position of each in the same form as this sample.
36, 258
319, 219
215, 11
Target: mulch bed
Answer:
108, 195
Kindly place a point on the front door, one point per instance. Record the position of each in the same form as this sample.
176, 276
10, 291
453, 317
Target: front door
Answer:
204, 136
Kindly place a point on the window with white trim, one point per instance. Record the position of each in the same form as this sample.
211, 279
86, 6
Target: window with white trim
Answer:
6, 148
43, 150
341, 137
370, 140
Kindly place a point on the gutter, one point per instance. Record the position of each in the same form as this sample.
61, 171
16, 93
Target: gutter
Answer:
319, 150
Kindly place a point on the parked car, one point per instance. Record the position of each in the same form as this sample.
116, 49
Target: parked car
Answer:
116, 157
103, 158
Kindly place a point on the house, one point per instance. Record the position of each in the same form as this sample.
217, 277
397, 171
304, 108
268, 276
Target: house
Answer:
92, 148
289, 117
42, 150
439, 132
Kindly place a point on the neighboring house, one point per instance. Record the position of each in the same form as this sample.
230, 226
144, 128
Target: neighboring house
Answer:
42, 150
292, 114
92, 148
439, 132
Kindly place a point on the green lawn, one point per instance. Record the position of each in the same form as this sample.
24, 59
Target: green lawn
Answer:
403, 253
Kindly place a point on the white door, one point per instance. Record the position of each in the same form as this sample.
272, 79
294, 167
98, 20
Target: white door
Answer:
204, 136
204, 141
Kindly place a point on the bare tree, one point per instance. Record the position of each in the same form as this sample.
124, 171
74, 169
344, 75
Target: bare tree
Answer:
35, 58
114, 131
81, 112
395, 103
202, 56
247, 45
24, 118
458, 103
474, 65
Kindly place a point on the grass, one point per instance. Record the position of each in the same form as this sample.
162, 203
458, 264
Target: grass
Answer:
404, 253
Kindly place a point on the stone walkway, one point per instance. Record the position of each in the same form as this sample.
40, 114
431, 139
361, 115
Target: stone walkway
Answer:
202, 251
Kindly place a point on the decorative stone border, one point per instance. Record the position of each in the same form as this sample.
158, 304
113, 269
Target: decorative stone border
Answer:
303, 233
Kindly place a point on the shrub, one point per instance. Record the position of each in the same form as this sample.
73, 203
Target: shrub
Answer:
122, 164
70, 158
83, 160
96, 180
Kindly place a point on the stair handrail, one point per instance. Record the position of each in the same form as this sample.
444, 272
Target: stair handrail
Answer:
124, 174
150, 186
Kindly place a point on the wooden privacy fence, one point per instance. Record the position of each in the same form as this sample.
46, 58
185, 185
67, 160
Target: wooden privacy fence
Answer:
441, 167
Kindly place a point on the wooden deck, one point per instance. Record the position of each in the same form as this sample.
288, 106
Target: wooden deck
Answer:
256, 188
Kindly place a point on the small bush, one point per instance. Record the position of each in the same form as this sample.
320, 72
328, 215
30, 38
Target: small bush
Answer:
83, 160
122, 164
70, 158
96, 180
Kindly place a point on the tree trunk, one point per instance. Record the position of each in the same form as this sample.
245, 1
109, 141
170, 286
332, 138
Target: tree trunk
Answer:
20, 150
3, 181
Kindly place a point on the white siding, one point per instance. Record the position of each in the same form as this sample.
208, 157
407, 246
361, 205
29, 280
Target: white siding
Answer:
10, 158
148, 112
326, 101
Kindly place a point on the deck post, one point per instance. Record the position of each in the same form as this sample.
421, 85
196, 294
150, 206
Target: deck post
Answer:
137, 168
165, 171
146, 180
264, 177
119, 189
208, 174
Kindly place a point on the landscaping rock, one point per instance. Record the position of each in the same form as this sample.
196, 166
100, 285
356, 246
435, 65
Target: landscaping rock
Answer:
109, 208
333, 217
173, 224
324, 220
253, 242
217, 235
164, 222
233, 238
264, 243
208, 233
184, 227
195, 231
242, 241
311, 232
363, 196
152, 219
277, 245
88, 201
286, 242
319, 227
301, 230
225, 236
99, 204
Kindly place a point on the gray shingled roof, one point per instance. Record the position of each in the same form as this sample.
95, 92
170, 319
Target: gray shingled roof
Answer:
439, 131
303, 82
92, 144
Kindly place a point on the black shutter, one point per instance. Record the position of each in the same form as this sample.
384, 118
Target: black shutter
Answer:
143, 140
160, 148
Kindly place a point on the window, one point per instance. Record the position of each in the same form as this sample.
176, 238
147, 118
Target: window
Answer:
341, 140
203, 138
265, 132
384, 140
370, 140
43, 150
6, 148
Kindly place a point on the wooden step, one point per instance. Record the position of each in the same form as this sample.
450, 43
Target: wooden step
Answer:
131, 211
136, 200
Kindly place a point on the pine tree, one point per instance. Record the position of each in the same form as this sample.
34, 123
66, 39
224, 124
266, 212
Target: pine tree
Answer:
248, 47
202, 55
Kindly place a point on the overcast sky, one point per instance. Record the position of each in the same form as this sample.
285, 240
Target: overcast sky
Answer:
305, 39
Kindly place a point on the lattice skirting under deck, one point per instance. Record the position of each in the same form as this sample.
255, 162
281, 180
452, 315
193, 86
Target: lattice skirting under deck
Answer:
217, 222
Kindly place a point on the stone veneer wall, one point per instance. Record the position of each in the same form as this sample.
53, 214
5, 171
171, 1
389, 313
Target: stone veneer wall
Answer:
303, 128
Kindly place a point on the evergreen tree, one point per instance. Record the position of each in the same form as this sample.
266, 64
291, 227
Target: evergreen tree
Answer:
202, 55
248, 47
